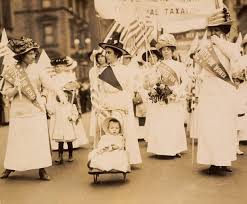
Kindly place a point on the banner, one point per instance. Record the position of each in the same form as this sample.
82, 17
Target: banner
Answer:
208, 59
10, 74
173, 16
168, 75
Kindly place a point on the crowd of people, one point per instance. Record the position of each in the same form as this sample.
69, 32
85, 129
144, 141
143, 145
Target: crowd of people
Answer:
132, 98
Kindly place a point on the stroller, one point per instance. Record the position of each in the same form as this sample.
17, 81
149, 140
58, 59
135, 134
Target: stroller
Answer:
109, 155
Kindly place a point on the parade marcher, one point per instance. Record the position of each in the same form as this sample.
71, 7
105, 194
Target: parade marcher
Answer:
99, 60
216, 122
65, 79
28, 141
242, 94
242, 111
117, 93
150, 59
166, 126
66, 118
138, 103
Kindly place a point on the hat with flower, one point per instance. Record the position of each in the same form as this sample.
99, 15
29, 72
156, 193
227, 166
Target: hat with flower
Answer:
22, 46
220, 18
67, 61
166, 40
114, 43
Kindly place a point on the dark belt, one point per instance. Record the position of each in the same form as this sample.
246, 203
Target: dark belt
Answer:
241, 115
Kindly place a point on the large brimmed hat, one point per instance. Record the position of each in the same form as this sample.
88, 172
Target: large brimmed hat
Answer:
152, 50
22, 46
166, 40
68, 62
116, 116
114, 43
220, 18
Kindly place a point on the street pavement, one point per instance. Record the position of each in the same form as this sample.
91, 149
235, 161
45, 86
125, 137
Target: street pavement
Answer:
157, 181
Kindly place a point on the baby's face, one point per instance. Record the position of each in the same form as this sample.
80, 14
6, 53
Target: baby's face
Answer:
114, 128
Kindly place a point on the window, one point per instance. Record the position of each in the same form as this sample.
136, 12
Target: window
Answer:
46, 3
49, 34
70, 4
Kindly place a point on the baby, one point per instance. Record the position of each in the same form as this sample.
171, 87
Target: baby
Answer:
110, 153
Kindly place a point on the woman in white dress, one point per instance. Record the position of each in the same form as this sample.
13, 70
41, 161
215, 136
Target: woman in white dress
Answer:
28, 141
166, 121
117, 93
148, 70
216, 122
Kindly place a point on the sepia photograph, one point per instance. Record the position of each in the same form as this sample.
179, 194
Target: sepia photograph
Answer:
123, 101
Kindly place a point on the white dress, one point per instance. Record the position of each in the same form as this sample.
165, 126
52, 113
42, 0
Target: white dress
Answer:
64, 129
166, 121
61, 79
113, 98
216, 121
242, 109
110, 154
28, 140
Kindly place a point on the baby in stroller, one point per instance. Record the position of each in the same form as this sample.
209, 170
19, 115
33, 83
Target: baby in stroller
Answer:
110, 153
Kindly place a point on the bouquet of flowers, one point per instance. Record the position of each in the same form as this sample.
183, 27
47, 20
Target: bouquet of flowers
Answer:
159, 93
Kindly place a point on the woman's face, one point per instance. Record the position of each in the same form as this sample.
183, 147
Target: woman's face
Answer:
152, 59
101, 59
111, 57
216, 31
166, 52
29, 57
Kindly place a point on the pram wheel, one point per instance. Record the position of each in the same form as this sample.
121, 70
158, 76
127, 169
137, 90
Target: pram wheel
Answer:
95, 178
124, 177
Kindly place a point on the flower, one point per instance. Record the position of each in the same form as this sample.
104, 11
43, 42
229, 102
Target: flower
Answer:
159, 93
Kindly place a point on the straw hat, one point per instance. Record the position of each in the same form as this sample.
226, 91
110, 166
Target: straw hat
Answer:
22, 46
220, 18
115, 115
114, 43
166, 40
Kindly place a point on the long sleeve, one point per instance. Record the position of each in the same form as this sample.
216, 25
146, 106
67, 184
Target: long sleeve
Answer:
181, 89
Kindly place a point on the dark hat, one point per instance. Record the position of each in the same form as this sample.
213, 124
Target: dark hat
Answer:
22, 45
114, 43
67, 61
152, 50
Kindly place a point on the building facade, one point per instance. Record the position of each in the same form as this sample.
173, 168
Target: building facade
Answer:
61, 27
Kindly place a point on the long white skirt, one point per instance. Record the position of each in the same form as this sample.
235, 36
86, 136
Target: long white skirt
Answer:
216, 123
28, 143
166, 129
